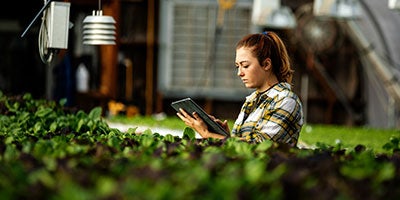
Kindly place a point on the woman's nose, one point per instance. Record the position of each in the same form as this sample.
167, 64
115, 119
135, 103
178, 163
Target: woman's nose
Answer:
239, 72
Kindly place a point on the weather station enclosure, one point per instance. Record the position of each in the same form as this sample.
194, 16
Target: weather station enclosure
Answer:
197, 48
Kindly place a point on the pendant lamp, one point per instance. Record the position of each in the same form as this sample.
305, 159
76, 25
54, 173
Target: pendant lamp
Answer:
394, 4
99, 29
339, 9
273, 15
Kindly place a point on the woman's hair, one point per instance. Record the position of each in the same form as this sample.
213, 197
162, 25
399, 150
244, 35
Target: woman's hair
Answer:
269, 45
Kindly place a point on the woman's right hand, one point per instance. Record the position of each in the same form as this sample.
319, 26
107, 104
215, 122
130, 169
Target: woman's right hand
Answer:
224, 123
199, 125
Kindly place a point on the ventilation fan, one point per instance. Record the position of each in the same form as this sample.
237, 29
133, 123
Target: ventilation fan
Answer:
316, 34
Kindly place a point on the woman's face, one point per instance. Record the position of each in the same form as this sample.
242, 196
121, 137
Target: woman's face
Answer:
249, 69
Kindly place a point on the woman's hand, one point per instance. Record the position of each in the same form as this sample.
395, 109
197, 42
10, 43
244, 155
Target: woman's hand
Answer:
224, 123
194, 122
200, 126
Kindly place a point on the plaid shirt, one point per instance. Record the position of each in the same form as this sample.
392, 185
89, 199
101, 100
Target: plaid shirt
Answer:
272, 115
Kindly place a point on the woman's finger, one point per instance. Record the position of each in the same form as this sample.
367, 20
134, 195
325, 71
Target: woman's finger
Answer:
183, 112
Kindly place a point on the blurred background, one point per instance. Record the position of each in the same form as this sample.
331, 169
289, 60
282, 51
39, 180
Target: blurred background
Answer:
346, 55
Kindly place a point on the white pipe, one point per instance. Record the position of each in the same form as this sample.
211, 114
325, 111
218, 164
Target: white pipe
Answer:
382, 69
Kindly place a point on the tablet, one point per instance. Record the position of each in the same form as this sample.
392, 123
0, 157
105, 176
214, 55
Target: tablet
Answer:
190, 106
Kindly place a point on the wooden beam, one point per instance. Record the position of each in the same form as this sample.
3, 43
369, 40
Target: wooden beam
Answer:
150, 57
109, 55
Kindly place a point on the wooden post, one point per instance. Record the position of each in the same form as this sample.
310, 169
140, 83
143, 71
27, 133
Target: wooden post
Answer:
109, 55
128, 80
150, 57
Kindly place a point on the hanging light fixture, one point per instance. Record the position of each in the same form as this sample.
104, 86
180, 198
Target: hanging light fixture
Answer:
99, 29
339, 9
282, 17
394, 4
272, 14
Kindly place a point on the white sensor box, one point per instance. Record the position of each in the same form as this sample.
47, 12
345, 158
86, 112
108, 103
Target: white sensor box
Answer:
57, 21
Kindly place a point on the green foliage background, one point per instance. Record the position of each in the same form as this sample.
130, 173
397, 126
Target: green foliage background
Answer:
48, 151
312, 135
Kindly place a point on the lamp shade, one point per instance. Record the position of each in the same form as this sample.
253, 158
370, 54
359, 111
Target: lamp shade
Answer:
394, 4
99, 29
262, 9
271, 14
282, 17
342, 9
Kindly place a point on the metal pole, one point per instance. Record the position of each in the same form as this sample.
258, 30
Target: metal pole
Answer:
49, 81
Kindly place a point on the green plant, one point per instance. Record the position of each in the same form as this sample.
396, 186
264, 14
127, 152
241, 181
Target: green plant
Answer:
48, 151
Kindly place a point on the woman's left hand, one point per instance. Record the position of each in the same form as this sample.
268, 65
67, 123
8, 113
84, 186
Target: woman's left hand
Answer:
194, 122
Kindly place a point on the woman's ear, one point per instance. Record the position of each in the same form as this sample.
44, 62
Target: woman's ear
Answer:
267, 64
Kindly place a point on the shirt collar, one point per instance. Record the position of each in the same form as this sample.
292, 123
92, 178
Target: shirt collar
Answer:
279, 86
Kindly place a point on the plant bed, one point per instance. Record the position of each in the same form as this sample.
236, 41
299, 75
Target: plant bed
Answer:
48, 151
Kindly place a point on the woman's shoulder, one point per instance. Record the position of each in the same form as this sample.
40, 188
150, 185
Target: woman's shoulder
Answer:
286, 99
282, 91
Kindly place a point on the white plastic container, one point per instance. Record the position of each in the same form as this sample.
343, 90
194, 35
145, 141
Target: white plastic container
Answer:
82, 78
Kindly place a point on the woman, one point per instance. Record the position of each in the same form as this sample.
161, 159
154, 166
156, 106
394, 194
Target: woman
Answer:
272, 111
